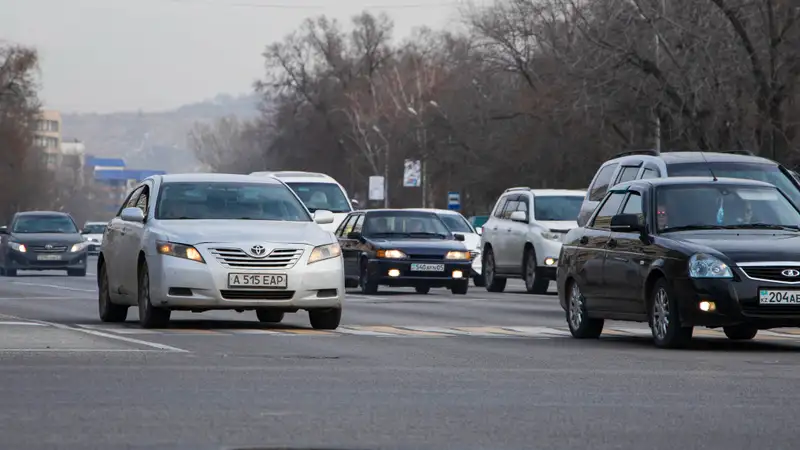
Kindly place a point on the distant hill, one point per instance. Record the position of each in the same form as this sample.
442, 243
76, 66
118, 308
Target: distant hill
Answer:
153, 140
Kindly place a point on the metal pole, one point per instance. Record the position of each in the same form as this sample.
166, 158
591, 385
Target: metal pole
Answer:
422, 180
386, 177
658, 65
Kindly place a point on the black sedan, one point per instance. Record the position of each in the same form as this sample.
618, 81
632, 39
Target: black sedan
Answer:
684, 252
402, 248
42, 240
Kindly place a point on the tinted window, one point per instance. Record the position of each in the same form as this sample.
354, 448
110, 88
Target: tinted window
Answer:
628, 173
750, 171
557, 207
634, 206
600, 186
723, 205
498, 211
346, 226
94, 229
405, 224
456, 223
358, 227
225, 201
511, 206
44, 224
608, 210
649, 173
322, 196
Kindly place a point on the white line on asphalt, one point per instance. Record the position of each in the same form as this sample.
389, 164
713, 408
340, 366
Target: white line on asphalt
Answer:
41, 298
346, 330
30, 324
54, 286
78, 350
118, 330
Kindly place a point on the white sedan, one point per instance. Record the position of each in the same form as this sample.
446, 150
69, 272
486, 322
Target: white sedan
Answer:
201, 242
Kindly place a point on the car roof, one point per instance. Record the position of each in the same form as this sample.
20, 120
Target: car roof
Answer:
43, 213
308, 177
214, 177
435, 210
547, 192
367, 211
678, 157
672, 181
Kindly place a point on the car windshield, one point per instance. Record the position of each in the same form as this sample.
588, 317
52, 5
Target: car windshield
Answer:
562, 207
405, 224
44, 224
322, 196
685, 207
769, 173
94, 229
456, 223
227, 201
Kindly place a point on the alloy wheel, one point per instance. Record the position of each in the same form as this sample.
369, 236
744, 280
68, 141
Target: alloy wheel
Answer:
575, 307
661, 314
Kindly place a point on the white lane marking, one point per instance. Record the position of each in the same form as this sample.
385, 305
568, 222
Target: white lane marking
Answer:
538, 331
66, 288
442, 330
356, 332
118, 330
41, 298
246, 331
30, 324
163, 347
78, 350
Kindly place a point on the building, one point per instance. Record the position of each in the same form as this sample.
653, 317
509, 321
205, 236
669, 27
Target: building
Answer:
47, 137
114, 180
72, 162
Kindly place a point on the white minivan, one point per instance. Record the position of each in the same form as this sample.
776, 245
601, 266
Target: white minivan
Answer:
317, 191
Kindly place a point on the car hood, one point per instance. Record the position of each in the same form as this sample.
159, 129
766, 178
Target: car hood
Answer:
558, 225
194, 232
420, 246
747, 246
47, 238
472, 241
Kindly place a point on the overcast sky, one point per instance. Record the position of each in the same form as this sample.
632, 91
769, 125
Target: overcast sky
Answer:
114, 55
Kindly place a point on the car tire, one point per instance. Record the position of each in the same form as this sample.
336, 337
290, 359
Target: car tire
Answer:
479, 281
493, 282
460, 288
368, 286
740, 332
533, 284
422, 289
76, 273
665, 318
325, 319
149, 315
581, 326
108, 310
269, 315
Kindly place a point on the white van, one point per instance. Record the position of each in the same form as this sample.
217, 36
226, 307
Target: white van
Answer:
317, 191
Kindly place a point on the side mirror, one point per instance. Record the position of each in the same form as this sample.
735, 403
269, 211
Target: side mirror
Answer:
354, 235
459, 237
479, 230
519, 216
323, 217
354, 202
626, 223
132, 215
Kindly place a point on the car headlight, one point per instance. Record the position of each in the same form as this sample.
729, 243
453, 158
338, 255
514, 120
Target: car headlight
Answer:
707, 266
391, 254
551, 236
18, 247
323, 252
79, 246
179, 250
457, 255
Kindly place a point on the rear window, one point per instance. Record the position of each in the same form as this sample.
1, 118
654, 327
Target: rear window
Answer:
600, 185
769, 173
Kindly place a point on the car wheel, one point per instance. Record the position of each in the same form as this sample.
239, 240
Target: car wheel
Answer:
76, 273
534, 284
493, 283
740, 332
580, 324
149, 315
109, 311
269, 315
460, 288
422, 289
665, 319
325, 319
368, 286
479, 281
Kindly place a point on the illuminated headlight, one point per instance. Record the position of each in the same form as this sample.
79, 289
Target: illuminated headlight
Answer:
18, 247
457, 255
391, 254
179, 251
707, 266
79, 246
323, 252
551, 236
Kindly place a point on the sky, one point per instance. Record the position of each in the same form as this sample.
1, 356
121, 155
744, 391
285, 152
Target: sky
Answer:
150, 55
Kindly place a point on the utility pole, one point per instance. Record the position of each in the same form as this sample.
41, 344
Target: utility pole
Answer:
658, 65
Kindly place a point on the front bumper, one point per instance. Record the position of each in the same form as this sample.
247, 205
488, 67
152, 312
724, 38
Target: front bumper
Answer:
178, 283
94, 248
379, 270
30, 260
736, 302
547, 253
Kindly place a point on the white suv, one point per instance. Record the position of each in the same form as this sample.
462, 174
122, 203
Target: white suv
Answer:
522, 238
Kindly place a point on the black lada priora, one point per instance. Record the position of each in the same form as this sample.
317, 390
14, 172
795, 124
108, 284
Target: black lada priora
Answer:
684, 252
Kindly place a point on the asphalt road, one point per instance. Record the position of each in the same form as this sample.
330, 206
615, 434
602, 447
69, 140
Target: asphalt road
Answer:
436, 371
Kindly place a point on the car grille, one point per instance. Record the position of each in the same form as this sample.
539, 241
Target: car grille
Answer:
414, 257
771, 273
279, 258
241, 294
41, 249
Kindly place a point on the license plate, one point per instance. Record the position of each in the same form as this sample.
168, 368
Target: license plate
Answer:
48, 257
427, 267
770, 297
236, 280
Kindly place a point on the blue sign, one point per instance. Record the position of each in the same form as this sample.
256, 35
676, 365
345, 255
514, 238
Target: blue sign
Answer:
453, 201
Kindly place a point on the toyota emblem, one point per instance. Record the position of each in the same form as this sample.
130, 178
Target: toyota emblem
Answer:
48, 247
258, 250
791, 273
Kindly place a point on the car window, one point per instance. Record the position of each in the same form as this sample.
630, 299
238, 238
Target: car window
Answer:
130, 202
342, 230
211, 200
608, 210
634, 206
55, 224
142, 202
557, 207
511, 206
649, 173
601, 182
94, 229
409, 224
628, 173
328, 196
456, 223
359, 224
501, 204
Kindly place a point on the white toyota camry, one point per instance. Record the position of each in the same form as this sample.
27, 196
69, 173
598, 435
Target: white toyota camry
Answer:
200, 242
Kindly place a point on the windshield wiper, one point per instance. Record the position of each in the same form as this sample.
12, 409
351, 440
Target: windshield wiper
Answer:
764, 226
693, 227
425, 233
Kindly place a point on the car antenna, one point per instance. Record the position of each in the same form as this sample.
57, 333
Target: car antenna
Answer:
708, 164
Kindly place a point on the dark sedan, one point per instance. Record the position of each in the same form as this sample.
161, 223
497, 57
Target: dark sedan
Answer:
42, 240
684, 252
402, 248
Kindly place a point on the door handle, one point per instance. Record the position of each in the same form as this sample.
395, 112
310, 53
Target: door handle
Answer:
612, 243
584, 240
